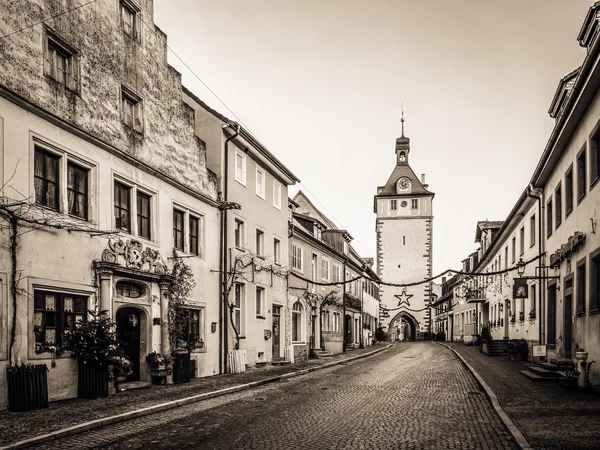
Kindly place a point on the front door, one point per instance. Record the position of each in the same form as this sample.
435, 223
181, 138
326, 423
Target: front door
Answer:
568, 319
128, 331
276, 330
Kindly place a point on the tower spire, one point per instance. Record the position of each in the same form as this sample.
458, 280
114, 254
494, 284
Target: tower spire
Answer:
402, 120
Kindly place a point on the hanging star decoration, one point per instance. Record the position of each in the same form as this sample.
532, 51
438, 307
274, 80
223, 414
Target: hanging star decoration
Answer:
403, 298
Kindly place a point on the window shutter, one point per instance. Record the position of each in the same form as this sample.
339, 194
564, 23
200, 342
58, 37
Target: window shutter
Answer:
74, 75
137, 26
137, 114
46, 57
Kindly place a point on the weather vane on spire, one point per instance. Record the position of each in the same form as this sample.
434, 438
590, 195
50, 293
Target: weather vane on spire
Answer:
402, 120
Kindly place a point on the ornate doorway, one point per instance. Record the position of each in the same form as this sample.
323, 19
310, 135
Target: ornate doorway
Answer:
128, 332
276, 330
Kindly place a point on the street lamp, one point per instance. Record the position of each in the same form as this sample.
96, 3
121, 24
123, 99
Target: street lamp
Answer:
521, 267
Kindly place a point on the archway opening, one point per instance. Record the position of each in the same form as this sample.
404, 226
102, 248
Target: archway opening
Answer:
406, 326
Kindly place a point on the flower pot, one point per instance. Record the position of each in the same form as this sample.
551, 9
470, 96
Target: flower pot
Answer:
27, 387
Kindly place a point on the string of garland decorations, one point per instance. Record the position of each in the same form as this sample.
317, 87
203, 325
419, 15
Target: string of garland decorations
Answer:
426, 280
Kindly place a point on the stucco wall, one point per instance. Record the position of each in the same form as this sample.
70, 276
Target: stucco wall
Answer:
108, 59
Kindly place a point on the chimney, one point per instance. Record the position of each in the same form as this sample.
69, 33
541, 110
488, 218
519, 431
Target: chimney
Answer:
443, 280
423, 181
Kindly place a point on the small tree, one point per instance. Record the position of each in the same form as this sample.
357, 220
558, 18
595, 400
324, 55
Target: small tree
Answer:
179, 314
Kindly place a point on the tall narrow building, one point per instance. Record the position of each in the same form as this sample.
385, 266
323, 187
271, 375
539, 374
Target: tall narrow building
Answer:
404, 226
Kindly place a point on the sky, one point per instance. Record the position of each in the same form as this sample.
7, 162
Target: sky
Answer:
321, 84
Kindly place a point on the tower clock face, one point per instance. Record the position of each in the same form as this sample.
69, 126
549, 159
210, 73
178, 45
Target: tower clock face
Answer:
403, 184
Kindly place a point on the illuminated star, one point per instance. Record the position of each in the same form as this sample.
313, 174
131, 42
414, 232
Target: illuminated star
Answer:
403, 298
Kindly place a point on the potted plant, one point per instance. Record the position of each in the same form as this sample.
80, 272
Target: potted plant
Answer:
93, 343
517, 349
522, 316
160, 366
532, 315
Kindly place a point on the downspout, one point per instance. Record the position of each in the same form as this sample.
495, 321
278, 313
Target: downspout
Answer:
223, 305
540, 250
344, 307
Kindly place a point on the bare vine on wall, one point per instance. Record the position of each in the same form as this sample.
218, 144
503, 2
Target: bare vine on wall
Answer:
179, 293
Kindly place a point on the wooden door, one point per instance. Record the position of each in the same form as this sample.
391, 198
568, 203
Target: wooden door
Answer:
568, 319
128, 331
276, 331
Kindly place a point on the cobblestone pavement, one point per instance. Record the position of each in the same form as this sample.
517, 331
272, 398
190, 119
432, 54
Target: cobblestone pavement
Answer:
548, 414
18, 426
414, 396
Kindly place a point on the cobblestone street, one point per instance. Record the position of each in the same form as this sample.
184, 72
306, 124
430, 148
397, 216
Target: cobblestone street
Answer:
414, 395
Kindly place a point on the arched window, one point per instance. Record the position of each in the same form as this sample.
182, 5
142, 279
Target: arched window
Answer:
130, 290
402, 157
297, 313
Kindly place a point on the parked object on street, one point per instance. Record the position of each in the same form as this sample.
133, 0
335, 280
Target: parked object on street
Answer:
27, 387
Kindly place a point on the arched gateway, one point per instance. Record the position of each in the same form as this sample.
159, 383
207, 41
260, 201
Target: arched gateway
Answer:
405, 326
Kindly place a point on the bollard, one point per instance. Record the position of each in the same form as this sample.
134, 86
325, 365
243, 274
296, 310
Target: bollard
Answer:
581, 357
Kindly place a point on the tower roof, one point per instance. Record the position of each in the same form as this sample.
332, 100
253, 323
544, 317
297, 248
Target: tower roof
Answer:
400, 171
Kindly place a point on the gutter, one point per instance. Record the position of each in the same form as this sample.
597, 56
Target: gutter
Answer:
223, 306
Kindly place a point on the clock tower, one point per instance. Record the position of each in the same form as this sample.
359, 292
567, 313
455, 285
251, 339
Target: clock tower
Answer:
404, 227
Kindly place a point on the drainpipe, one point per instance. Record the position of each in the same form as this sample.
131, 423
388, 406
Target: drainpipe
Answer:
541, 293
223, 306
344, 307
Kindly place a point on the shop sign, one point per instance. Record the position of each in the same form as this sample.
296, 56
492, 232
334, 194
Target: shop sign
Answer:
520, 288
538, 351
565, 250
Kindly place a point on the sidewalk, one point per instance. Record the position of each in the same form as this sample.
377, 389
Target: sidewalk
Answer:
548, 414
67, 413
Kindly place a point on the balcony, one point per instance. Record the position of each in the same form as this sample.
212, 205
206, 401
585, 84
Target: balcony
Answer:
476, 295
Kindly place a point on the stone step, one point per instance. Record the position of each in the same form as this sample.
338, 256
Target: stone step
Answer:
279, 362
548, 366
533, 377
540, 371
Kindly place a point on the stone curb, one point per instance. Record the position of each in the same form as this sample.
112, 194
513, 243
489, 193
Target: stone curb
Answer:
512, 428
99, 423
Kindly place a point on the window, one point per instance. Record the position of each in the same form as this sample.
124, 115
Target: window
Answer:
325, 269
178, 221
594, 157
595, 281
336, 273
62, 62
240, 167
260, 302
238, 308
260, 182
130, 19
193, 333
336, 322
77, 190
122, 207
277, 194
549, 214
506, 257
415, 203
514, 249
46, 179
54, 314
393, 205
277, 251
260, 243
522, 241
558, 205
569, 191
194, 232
296, 257
533, 290
581, 173
130, 290
581, 272
297, 311
132, 110
143, 215
239, 234
532, 230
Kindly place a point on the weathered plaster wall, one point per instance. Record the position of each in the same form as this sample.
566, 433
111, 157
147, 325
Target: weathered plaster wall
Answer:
108, 59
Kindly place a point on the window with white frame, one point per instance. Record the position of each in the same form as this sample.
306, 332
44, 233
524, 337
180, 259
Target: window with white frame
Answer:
61, 61
337, 270
55, 314
131, 19
277, 251
297, 257
260, 242
239, 234
260, 182
260, 302
325, 269
415, 203
238, 308
51, 186
132, 110
188, 229
297, 321
336, 322
393, 205
277, 194
240, 167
